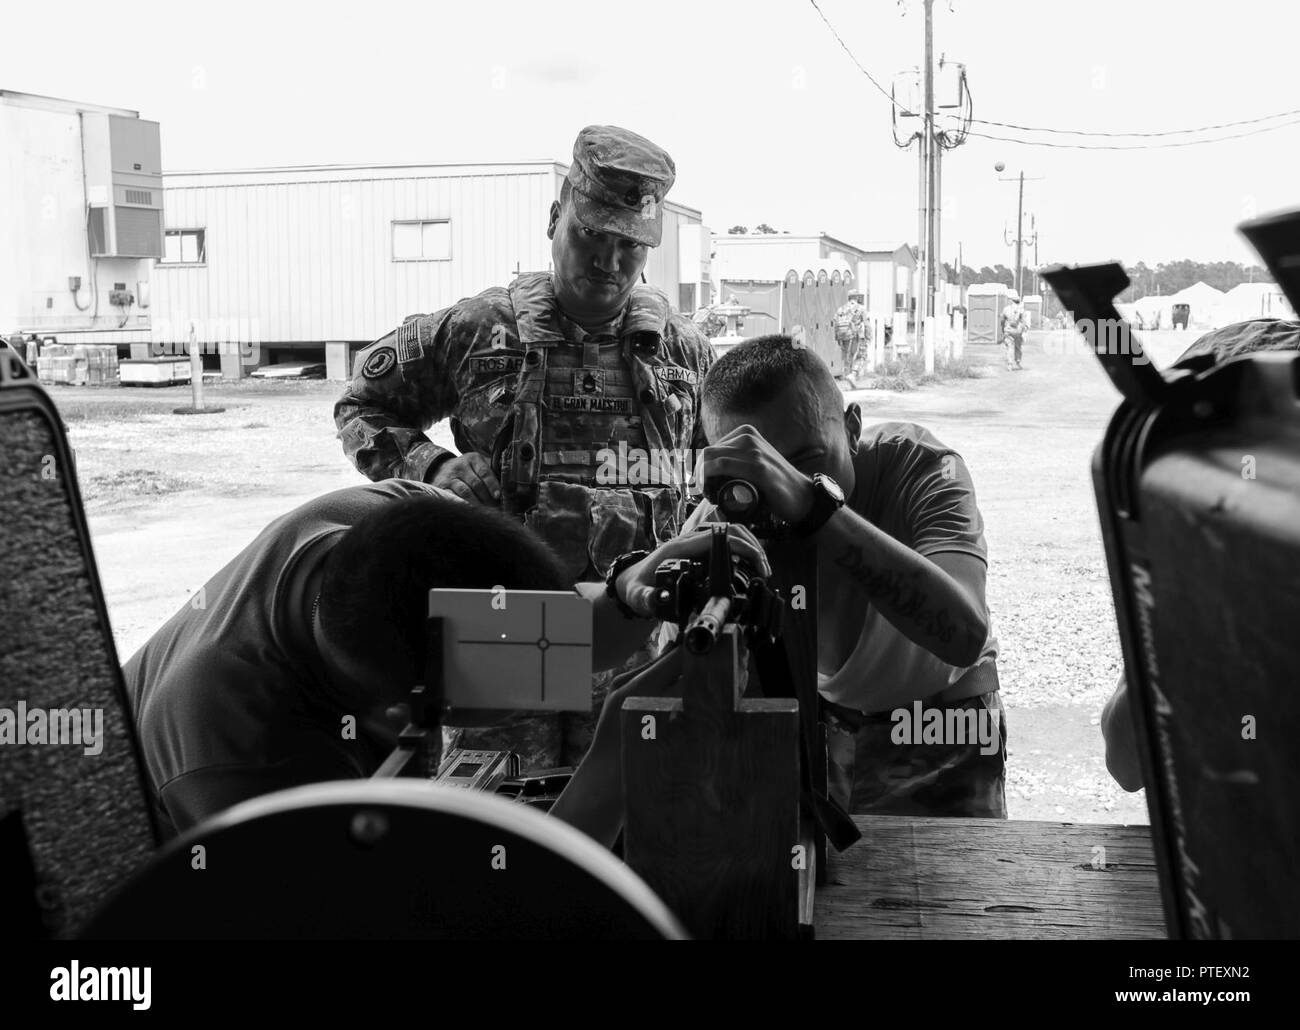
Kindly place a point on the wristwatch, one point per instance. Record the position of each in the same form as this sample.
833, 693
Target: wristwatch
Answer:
828, 498
621, 564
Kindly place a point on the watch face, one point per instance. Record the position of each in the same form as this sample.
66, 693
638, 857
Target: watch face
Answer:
831, 487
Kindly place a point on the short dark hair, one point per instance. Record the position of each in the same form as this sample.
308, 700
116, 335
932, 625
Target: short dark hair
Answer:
760, 370
375, 588
566, 189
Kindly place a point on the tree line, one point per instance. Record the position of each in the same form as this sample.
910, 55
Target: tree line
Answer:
1160, 280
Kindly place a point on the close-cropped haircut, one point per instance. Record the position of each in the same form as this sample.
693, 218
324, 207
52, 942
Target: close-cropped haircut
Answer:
760, 370
375, 588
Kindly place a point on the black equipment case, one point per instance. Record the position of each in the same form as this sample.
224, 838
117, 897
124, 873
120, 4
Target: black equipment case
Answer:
1198, 488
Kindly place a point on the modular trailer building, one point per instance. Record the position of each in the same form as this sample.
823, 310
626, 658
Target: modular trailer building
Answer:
80, 220
312, 263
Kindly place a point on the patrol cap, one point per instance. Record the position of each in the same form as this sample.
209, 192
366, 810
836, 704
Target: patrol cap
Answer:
619, 181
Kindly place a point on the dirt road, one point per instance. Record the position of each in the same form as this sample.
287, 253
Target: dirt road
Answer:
172, 498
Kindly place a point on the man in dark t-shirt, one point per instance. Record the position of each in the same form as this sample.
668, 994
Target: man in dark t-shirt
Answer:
907, 661
279, 670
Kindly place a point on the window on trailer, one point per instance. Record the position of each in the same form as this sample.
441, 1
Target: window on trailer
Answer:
184, 247
422, 240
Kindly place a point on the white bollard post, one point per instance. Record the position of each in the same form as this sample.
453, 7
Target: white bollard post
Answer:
928, 330
876, 345
958, 335
196, 370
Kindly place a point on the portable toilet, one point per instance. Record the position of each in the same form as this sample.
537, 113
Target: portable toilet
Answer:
984, 304
1034, 309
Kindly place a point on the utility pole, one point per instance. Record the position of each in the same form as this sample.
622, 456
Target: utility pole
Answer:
1033, 231
1020, 223
933, 140
1020, 232
922, 225
936, 216
930, 149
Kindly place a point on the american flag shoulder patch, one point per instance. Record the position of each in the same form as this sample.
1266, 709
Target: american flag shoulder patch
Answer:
408, 341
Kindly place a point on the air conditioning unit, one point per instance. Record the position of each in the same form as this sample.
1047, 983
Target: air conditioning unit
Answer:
130, 223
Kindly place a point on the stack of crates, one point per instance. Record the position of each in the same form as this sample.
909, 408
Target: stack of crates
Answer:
101, 364
80, 364
56, 364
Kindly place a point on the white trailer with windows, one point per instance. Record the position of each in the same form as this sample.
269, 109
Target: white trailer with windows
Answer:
311, 263
80, 221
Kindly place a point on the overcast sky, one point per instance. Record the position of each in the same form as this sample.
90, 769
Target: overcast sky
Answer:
765, 115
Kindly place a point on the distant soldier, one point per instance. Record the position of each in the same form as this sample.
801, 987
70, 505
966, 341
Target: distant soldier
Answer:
709, 322
850, 331
1015, 322
549, 384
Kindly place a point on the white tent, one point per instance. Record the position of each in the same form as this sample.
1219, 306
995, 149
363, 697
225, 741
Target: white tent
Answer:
1148, 312
1199, 295
1255, 300
1204, 302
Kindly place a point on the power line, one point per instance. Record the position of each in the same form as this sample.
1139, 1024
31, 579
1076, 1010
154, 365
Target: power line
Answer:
968, 118
885, 93
1136, 146
1169, 132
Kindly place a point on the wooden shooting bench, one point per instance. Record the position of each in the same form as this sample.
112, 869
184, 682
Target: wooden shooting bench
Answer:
715, 810
925, 879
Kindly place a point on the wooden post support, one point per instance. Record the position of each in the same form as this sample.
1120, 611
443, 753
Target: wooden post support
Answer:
711, 792
795, 575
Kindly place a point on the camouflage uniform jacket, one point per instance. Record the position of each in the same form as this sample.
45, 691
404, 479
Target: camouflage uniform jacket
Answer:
1015, 320
850, 320
548, 404
709, 322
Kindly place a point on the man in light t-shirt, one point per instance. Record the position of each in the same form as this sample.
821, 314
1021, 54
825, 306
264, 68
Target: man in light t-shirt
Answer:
907, 661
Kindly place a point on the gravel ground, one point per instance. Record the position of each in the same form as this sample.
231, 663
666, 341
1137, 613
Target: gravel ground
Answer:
171, 498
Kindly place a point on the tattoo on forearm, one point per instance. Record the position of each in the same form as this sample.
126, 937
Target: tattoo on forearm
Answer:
893, 590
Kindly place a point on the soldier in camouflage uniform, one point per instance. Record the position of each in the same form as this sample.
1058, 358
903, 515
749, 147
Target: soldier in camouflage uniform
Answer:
544, 380
709, 322
850, 328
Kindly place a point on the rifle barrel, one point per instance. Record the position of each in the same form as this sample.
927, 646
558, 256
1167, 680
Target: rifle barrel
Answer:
702, 632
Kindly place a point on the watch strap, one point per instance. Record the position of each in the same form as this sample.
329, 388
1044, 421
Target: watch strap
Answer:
825, 504
620, 565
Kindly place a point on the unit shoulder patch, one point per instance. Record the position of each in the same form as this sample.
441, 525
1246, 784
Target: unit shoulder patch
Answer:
379, 364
